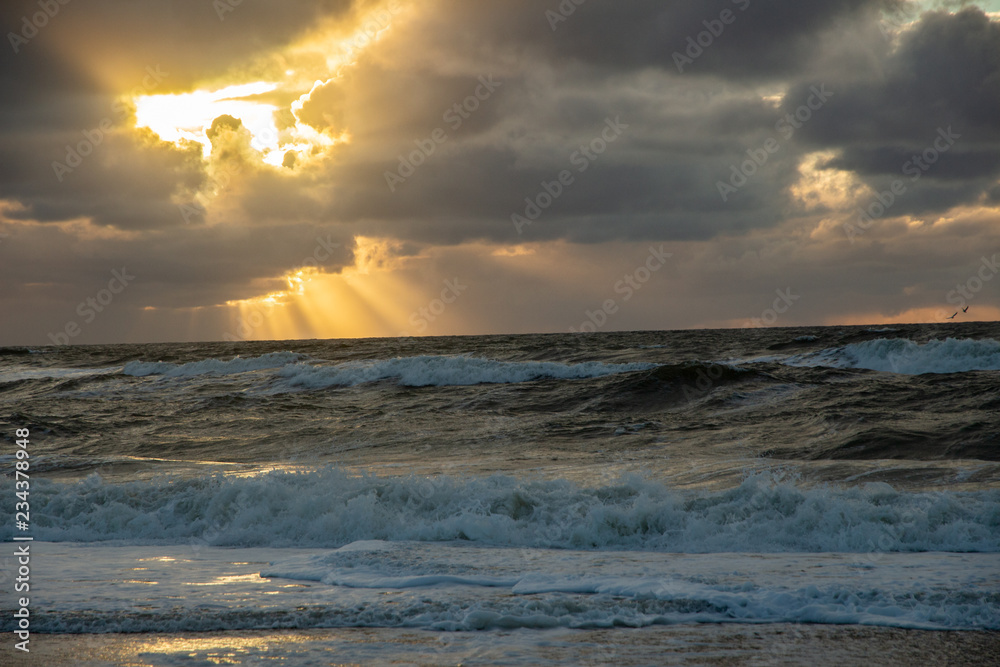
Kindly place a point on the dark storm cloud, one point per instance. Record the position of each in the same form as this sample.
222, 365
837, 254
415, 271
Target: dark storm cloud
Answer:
749, 38
124, 181
946, 71
657, 179
661, 179
181, 267
945, 75
759, 38
469, 195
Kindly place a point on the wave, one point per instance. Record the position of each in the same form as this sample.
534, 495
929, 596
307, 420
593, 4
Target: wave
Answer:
417, 371
16, 351
17, 374
434, 370
670, 385
211, 366
331, 508
906, 357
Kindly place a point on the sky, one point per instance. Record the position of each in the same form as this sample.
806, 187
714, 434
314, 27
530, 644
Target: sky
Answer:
245, 170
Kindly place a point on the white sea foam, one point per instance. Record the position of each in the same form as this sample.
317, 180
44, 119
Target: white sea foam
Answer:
904, 356
434, 370
461, 586
924, 590
330, 508
211, 366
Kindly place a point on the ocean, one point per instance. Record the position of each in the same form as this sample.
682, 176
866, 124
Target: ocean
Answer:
679, 497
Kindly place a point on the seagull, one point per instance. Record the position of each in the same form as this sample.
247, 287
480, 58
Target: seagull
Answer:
964, 310
952, 317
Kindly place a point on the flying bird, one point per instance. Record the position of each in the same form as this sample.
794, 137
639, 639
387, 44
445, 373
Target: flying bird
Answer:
952, 317
964, 310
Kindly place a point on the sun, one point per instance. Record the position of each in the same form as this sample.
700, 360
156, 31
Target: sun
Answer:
188, 116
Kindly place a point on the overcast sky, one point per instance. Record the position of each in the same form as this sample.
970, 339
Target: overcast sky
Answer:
189, 170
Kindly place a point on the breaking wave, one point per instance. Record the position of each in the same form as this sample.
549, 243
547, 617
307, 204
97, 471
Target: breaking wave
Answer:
906, 357
418, 371
331, 508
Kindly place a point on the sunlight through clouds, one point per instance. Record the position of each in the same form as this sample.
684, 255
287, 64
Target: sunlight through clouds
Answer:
189, 115
823, 187
176, 117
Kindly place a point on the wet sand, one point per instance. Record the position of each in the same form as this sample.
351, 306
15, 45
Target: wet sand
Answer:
709, 644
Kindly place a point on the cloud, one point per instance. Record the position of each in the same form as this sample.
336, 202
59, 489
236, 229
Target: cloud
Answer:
944, 75
323, 108
461, 117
